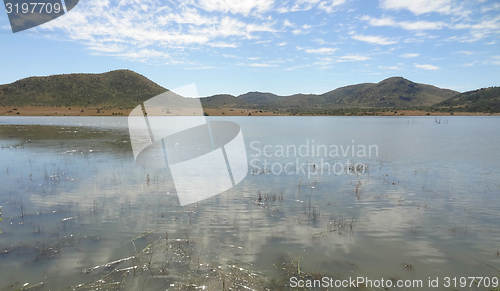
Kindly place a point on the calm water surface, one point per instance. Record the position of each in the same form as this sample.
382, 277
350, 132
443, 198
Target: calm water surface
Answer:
78, 213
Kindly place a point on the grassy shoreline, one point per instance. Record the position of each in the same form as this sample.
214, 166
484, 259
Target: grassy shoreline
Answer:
110, 111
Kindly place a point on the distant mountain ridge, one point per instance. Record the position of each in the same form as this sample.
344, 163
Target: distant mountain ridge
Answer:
391, 92
127, 89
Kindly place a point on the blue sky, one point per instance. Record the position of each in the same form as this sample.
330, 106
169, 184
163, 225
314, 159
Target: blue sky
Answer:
287, 47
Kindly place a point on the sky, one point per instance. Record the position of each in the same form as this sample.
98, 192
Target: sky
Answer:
283, 47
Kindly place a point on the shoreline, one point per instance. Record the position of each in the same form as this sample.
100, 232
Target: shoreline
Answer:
103, 111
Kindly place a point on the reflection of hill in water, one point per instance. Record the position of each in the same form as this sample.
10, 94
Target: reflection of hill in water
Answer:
58, 138
430, 200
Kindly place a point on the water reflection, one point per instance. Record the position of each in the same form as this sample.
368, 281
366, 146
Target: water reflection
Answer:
76, 205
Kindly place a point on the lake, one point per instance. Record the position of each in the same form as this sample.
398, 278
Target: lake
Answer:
393, 198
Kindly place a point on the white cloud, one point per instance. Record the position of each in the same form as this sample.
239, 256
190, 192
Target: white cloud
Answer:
421, 6
496, 60
319, 40
487, 8
126, 31
142, 55
331, 5
228, 26
111, 48
413, 40
324, 62
421, 25
352, 58
299, 5
199, 68
426, 67
460, 26
469, 64
262, 65
328, 6
390, 68
236, 6
297, 67
323, 50
169, 31
373, 39
485, 27
222, 44
408, 25
287, 23
409, 55
387, 21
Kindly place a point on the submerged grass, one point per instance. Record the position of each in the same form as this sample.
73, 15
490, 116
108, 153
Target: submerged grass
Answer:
174, 263
171, 262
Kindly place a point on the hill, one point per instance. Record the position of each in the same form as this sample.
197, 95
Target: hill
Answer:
259, 98
120, 88
126, 89
391, 92
224, 100
481, 100
394, 92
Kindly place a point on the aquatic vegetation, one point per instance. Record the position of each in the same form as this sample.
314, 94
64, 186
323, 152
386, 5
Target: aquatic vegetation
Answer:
76, 206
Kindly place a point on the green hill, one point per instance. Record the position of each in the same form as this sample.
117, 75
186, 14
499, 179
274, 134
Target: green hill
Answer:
259, 98
224, 100
482, 100
339, 94
396, 92
120, 88
391, 92
126, 89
